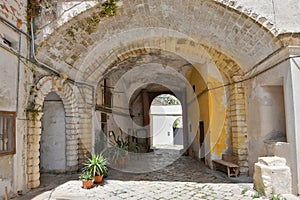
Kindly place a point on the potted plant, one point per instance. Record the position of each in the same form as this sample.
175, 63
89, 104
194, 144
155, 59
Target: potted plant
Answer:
122, 147
96, 165
87, 180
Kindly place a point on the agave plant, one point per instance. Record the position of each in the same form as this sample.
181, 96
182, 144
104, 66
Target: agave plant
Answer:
96, 165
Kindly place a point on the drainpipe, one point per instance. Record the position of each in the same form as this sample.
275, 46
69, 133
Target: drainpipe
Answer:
18, 73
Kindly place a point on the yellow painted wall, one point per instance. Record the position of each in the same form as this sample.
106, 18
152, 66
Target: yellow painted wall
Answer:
213, 112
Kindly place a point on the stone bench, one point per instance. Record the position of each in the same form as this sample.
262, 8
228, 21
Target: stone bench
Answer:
229, 161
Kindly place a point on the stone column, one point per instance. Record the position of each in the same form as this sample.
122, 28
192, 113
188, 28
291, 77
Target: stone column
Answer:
33, 170
239, 125
292, 109
85, 111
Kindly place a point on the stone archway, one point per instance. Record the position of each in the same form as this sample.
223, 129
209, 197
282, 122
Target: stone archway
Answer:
225, 65
46, 85
137, 29
238, 39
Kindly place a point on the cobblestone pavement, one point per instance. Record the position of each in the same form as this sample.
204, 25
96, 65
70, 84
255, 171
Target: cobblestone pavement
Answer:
184, 179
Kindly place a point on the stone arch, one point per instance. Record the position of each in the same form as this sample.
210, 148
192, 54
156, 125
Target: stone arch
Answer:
46, 85
229, 68
245, 38
186, 48
265, 22
235, 45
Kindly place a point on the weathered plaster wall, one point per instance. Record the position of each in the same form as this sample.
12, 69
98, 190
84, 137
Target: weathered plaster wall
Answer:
292, 99
9, 79
14, 84
14, 11
196, 79
214, 113
266, 119
6, 173
270, 120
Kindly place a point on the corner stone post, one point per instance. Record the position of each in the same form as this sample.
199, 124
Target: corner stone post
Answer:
272, 176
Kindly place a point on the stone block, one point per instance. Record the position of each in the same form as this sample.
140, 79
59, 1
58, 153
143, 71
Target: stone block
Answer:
33, 184
272, 176
272, 161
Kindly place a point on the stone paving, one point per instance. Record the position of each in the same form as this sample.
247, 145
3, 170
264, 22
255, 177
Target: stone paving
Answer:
186, 178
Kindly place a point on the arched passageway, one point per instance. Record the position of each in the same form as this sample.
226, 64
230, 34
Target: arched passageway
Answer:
205, 62
166, 122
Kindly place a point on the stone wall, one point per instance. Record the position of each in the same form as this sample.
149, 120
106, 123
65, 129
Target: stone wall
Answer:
15, 12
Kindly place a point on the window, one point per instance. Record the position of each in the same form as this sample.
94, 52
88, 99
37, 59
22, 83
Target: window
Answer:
7, 132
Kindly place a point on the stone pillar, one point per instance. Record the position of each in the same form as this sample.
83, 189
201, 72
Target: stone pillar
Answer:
33, 170
85, 110
292, 111
272, 176
239, 125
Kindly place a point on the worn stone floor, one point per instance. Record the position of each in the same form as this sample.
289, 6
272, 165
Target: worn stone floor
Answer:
185, 178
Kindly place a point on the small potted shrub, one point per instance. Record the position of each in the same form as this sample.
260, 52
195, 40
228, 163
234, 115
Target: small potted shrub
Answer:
122, 147
96, 165
87, 180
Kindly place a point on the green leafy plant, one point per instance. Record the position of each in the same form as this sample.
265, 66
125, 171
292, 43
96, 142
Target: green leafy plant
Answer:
259, 193
277, 197
120, 146
244, 191
109, 8
86, 175
123, 144
34, 110
119, 141
96, 165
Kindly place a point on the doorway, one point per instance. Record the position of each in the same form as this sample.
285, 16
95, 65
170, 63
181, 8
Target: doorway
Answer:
166, 122
53, 137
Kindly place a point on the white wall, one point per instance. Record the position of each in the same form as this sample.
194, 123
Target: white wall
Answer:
161, 122
284, 14
12, 171
265, 116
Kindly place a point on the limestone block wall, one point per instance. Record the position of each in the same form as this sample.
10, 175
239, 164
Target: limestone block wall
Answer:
86, 129
66, 92
239, 125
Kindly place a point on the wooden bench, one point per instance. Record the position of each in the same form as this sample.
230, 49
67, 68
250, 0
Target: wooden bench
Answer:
229, 161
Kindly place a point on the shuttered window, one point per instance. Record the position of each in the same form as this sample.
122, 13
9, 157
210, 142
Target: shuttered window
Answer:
7, 133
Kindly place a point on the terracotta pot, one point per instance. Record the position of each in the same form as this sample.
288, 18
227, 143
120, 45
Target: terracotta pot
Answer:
98, 179
121, 161
87, 184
